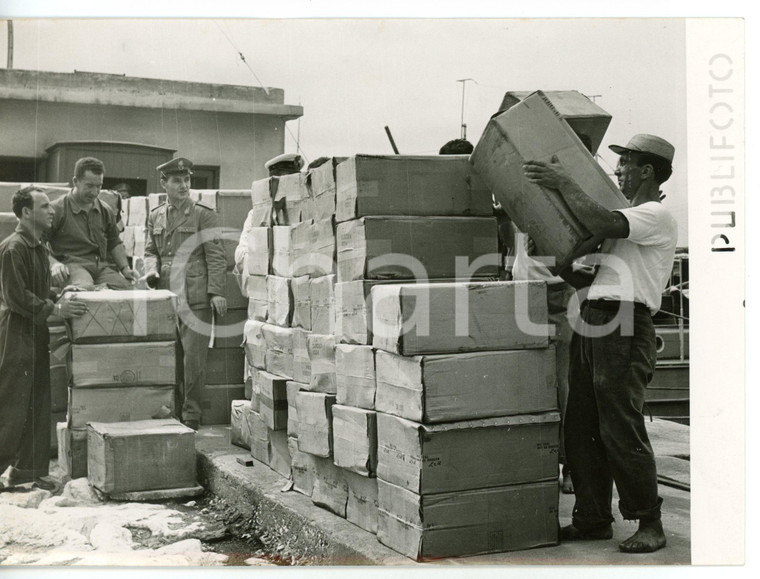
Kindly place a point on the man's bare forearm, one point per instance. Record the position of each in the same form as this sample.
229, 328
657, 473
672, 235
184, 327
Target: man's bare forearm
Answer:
578, 278
119, 255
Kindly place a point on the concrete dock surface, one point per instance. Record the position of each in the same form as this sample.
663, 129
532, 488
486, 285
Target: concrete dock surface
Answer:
316, 536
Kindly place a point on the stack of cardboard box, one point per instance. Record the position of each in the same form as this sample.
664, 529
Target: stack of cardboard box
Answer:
466, 425
122, 365
369, 394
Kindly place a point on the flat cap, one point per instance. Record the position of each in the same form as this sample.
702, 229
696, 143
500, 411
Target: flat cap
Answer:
643, 143
178, 166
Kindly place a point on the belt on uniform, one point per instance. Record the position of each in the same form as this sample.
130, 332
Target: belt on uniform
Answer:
615, 305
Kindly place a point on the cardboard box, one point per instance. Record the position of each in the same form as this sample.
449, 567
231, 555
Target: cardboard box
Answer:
321, 350
122, 404
279, 350
279, 300
300, 248
258, 258
410, 319
362, 505
445, 388
207, 197
55, 419
353, 312
582, 115
355, 375
353, 309
469, 522
155, 199
470, 454
302, 468
322, 188
240, 433
59, 345
273, 400
254, 343
301, 288
291, 391
232, 208
301, 361
444, 185
355, 439
127, 240
542, 213
229, 329
321, 249
216, 401
137, 456
255, 389
72, 450
330, 487
262, 199
234, 294
281, 258
258, 299
247, 385
291, 190
315, 423
260, 446
125, 316
140, 234
8, 224
225, 365
132, 364
137, 209
279, 452
322, 290
431, 244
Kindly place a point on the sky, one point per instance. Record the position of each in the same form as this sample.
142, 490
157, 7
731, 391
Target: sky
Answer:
354, 77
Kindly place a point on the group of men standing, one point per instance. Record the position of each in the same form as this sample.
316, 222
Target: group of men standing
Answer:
73, 244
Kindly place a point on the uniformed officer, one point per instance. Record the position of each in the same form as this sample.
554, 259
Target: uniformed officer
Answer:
184, 253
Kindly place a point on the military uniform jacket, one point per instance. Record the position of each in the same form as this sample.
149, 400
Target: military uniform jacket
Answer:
186, 250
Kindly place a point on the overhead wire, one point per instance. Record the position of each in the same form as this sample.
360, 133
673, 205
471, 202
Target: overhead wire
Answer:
240, 54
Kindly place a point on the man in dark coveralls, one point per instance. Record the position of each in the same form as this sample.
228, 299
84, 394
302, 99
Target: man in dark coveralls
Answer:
184, 253
25, 304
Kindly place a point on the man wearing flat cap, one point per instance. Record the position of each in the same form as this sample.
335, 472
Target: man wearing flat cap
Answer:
605, 434
184, 253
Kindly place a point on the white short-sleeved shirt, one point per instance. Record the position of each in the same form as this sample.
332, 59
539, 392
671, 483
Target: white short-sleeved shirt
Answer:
637, 268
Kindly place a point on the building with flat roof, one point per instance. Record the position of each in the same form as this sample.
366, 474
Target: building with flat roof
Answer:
48, 120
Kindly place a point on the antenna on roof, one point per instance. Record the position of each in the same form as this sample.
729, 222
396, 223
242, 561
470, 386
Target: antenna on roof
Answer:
462, 124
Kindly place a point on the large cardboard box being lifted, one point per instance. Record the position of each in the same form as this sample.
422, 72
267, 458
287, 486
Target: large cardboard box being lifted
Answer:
125, 457
534, 129
445, 388
471, 454
442, 318
409, 185
489, 520
428, 246
124, 316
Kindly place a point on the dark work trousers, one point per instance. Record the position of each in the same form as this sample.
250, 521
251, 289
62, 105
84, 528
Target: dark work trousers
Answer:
24, 396
193, 355
605, 433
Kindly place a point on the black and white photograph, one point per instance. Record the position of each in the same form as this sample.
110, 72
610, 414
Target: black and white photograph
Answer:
358, 291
